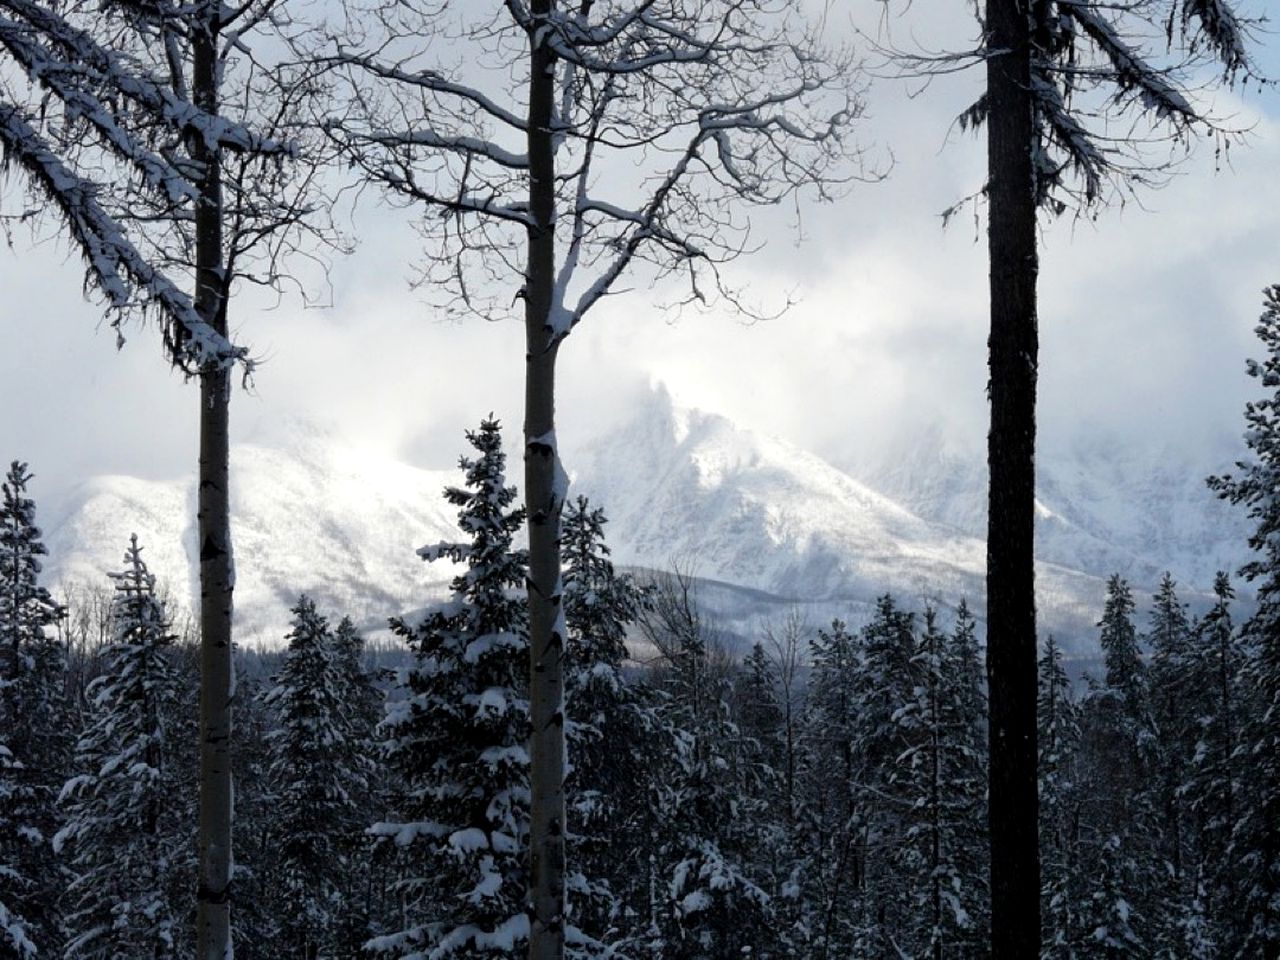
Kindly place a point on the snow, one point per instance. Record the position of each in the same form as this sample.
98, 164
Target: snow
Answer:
751, 511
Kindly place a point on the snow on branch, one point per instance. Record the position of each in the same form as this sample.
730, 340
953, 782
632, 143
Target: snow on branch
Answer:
1129, 71
115, 265
64, 49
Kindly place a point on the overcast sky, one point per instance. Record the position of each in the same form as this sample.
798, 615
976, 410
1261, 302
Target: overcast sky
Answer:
1146, 318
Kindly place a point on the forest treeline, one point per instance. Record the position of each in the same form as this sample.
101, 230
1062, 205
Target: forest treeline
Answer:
822, 797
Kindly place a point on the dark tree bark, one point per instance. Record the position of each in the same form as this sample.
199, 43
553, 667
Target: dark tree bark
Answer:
1011, 612
543, 503
213, 519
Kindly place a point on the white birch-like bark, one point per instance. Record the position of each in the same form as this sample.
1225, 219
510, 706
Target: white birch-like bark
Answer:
217, 577
544, 502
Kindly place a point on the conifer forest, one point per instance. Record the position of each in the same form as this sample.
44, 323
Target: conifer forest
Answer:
687, 691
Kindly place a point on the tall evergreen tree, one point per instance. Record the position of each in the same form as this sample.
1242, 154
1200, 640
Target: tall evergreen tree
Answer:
711, 896
832, 830
1059, 742
457, 737
360, 708
1119, 856
942, 771
1175, 704
33, 719
757, 710
317, 776
614, 736
1061, 77
885, 685
1255, 844
129, 817
1212, 779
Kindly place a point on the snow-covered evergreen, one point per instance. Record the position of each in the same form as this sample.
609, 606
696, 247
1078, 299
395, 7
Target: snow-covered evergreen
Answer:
34, 721
613, 734
710, 852
941, 773
1058, 742
127, 838
1255, 844
317, 778
456, 736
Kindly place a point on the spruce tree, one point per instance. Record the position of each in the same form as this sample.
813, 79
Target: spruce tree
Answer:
1173, 702
613, 735
456, 736
1211, 782
316, 777
832, 830
941, 772
129, 819
360, 708
757, 710
1058, 740
15, 930
1109, 921
712, 896
33, 719
1255, 844
1120, 861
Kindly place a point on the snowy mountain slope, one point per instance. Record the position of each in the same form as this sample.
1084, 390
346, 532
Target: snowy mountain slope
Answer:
738, 507
765, 525
311, 517
1103, 506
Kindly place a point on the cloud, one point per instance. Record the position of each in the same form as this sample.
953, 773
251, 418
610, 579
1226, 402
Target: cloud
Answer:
1145, 319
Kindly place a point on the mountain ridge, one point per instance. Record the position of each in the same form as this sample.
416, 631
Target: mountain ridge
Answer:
743, 511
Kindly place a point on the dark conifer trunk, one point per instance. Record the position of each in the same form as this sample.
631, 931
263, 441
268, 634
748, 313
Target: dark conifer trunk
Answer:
1011, 615
543, 502
213, 519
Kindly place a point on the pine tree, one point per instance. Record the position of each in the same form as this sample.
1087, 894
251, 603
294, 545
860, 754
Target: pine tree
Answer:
457, 737
757, 710
1211, 780
360, 705
1175, 700
941, 774
15, 930
258, 918
831, 828
129, 820
613, 735
33, 719
710, 896
1109, 921
1059, 742
317, 776
1255, 844
885, 685
1120, 860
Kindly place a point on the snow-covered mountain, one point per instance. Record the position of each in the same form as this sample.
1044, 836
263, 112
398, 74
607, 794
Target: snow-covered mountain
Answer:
1103, 505
310, 517
767, 526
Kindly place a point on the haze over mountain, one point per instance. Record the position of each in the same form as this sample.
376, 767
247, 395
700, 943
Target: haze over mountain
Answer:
768, 526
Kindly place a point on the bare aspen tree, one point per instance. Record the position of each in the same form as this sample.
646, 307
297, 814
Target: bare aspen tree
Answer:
555, 149
120, 128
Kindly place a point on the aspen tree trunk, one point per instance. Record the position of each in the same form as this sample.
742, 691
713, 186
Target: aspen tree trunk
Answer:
543, 502
1011, 612
213, 518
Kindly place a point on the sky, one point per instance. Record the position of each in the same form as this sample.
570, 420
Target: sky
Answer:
1146, 319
